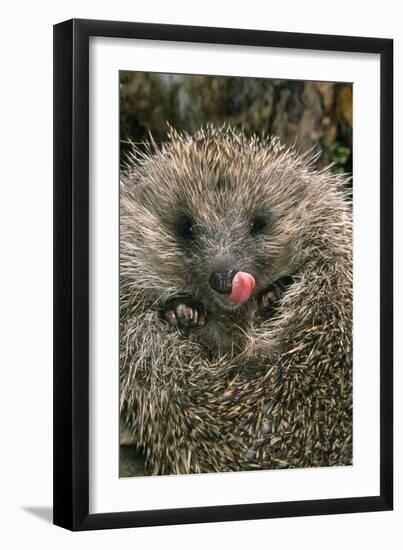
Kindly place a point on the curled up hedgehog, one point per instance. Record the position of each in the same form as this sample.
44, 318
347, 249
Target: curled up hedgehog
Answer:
235, 306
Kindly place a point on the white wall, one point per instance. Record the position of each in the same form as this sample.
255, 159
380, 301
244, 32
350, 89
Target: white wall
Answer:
26, 283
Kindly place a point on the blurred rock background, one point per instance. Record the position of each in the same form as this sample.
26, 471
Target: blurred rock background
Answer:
309, 113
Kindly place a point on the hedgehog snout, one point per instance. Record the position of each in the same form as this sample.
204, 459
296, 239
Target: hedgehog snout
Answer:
221, 277
235, 287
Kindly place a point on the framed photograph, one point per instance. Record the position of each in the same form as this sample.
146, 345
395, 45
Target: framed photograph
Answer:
223, 322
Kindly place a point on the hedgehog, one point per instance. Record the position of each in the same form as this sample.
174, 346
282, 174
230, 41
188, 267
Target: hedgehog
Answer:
235, 305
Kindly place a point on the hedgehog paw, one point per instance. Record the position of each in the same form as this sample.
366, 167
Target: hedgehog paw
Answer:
268, 298
184, 313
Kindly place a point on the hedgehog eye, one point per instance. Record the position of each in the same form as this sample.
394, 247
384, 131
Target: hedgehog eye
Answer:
257, 224
186, 228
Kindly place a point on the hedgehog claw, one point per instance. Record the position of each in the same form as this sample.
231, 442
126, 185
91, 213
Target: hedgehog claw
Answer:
170, 317
268, 298
184, 313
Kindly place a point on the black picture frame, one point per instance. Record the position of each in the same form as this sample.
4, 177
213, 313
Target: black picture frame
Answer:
71, 274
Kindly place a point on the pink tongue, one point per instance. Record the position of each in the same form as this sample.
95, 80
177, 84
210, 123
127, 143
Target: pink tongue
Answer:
242, 287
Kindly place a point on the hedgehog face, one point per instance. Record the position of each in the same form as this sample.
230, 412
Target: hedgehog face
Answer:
222, 250
216, 235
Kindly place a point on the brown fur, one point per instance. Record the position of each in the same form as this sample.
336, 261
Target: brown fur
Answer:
251, 388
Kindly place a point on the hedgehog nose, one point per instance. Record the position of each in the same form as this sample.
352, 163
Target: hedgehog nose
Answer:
220, 279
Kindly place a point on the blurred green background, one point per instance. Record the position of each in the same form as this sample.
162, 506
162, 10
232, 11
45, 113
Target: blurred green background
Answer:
309, 113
